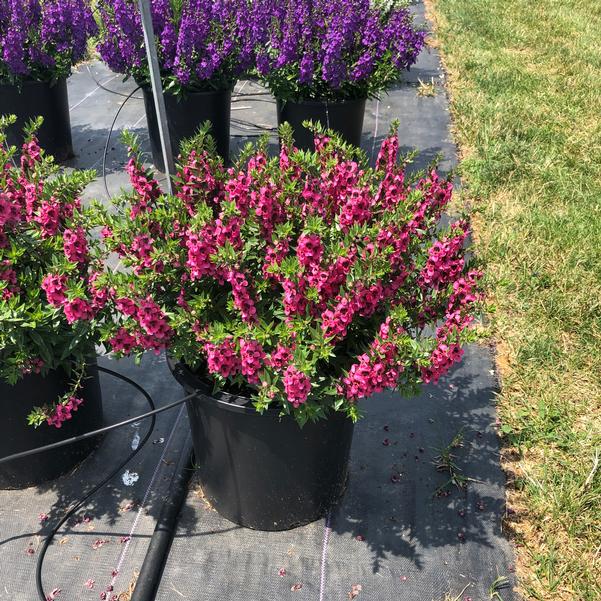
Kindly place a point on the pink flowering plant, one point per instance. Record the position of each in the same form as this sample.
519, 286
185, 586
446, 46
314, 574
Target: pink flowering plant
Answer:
48, 300
307, 281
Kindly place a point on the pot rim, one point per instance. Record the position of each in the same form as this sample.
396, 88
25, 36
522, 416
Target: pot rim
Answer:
231, 402
147, 89
34, 82
318, 103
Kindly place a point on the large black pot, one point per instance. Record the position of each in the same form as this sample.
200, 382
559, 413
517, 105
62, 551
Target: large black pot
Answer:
345, 118
185, 115
262, 471
34, 98
16, 402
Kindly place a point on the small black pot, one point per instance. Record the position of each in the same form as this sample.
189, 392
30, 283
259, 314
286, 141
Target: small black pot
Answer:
185, 115
264, 471
34, 98
16, 402
345, 118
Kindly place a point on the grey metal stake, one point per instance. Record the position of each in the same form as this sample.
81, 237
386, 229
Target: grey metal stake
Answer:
157, 90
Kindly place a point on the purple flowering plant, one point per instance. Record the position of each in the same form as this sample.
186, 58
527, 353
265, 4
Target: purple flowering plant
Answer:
48, 298
42, 40
201, 44
306, 281
324, 50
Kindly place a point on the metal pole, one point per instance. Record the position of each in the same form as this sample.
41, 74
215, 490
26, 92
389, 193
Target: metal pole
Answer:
157, 90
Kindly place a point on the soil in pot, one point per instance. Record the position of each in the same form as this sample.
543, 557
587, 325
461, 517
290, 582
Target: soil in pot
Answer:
185, 115
262, 471
17, 401
31, 99
345, 118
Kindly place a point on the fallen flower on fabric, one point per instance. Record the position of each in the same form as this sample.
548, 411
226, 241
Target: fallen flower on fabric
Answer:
53, 594
89, 583
355, 590
296, 587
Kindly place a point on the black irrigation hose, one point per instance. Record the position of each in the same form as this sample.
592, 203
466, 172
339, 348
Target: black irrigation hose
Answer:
103, 87
152, 568
108, 139
95, 489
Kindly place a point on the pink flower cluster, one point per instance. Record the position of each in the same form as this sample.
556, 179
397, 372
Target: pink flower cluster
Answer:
197, 181
242, 299
252, 358
146, 188
444, 264
441, 360
30, 155
294, 299
376, 370
75, 245
280, 357
9, 276
55, 287
309, 251
78, 309
10, 212
297, 386
335, 322
49, 217
63, 411
356, 208
123, 341
222, 358
154, 322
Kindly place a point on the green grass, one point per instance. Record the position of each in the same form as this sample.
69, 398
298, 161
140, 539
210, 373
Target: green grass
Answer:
525, 86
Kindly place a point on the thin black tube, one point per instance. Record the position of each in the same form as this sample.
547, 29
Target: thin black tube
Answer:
131, 420
95, 489
108, 139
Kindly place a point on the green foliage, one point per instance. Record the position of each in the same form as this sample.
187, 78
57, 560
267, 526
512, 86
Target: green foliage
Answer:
35, 336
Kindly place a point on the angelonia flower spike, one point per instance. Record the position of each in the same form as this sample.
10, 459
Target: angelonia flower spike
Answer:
42, 40
324, 50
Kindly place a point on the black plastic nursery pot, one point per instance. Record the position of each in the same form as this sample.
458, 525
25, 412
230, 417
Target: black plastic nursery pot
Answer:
17, 401
185, 114
31, 99
262, 471
345, 118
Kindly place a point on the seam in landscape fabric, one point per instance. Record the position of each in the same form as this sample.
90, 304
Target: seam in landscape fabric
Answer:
324, 553
145, 498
